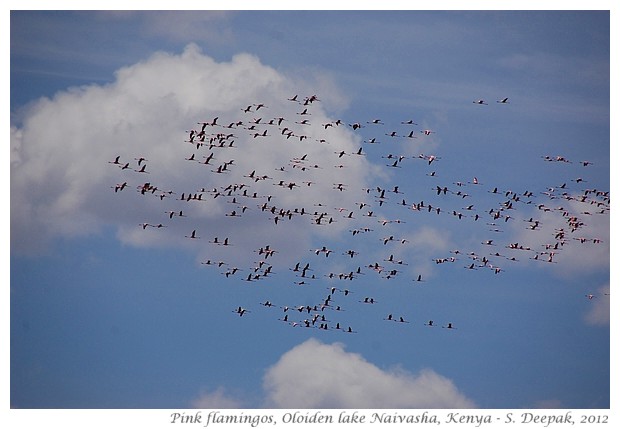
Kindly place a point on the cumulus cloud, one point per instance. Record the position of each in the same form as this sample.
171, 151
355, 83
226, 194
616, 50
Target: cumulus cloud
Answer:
428, 242
585, 249
217, 399
598, 313
64, 180
318, 375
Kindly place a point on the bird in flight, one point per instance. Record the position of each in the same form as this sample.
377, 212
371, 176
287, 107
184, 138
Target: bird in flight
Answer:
240, 311
192, 235
320, 192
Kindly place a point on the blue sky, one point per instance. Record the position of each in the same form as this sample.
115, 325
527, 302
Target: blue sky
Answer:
109, 313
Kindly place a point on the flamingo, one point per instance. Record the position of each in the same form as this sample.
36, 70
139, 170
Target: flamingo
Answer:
356, 125
120, 186
142, 170
240, 311
237, 195
192, 235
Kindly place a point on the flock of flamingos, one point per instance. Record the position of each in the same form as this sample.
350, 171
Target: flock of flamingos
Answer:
261, 194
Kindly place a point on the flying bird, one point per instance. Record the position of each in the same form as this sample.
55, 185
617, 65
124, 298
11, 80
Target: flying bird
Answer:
320, 168
192, 235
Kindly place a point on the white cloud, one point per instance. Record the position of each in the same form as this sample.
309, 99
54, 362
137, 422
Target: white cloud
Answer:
426, 244
217, 399
318, 375
62, 182
584, 250
598, 313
